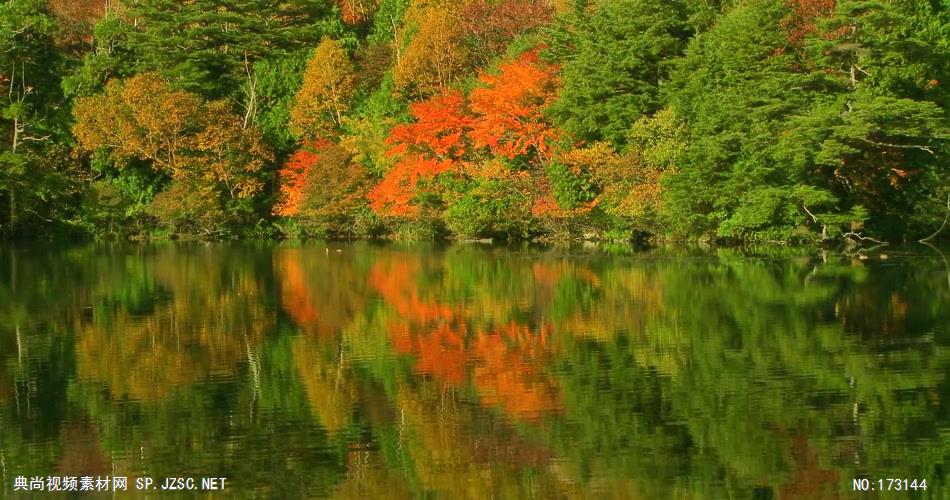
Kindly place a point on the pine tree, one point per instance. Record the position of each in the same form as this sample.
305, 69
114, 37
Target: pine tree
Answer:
206, 46
614, 56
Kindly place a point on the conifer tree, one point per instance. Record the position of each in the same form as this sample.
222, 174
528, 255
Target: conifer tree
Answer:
614, 55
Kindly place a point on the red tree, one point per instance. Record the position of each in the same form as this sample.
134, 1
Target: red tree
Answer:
295, 176
504, 117
428, 146
496, 23
509, 108
357, 11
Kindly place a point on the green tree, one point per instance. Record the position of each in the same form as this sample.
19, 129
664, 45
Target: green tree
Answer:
876, 125
614, 56
788, 141
209, 47
33, 181
111, 56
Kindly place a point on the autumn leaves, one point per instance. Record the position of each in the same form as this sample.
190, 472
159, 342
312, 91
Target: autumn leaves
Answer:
456, 139
328, 84
499, 122
436, 118
497, 132
200, 145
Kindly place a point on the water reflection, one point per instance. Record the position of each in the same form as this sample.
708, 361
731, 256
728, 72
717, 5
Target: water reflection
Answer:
464, 372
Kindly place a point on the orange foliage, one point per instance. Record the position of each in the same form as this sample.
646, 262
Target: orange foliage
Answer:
438, 128
507, 374
545, 204
425, 148
394, 196
510, 105
295, 175
506, 118
357, 11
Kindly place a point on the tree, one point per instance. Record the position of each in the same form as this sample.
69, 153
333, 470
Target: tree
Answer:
876, 126
439, 127
111, 56
434, 55
735, 90
325, 189
432, 144
32, 121
503, 120
206, 46
295, 177
201, 146
509, 108
852, 148
489, 26
614, 56
328, 84
357, 11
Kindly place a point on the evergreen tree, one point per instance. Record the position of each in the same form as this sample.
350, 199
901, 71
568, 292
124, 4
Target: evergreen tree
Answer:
614, 56
734, 90
790, 133
876, 126
210, 46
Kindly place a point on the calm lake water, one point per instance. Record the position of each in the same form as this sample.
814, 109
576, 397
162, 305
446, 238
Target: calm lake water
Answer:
476, 372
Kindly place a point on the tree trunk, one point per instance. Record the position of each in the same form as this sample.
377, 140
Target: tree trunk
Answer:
12, 187
12, 214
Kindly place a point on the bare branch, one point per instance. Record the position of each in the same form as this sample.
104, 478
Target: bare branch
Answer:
35, 139
809, 213
946, 217
901, 146
23, 29
38, 215
851, 235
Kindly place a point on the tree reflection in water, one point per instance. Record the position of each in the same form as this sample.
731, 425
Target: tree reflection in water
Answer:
300, 370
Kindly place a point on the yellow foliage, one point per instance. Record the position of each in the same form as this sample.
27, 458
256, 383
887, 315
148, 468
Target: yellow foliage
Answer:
331, 388
137, 118
629, 186
328, 83
144, 118
435, 56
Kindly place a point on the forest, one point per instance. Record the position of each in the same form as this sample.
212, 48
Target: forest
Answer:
715, 120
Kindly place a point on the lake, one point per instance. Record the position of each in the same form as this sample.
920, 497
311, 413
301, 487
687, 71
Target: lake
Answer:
470, 371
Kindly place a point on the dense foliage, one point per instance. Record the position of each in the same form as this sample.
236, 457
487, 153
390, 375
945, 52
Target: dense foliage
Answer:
770, 120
